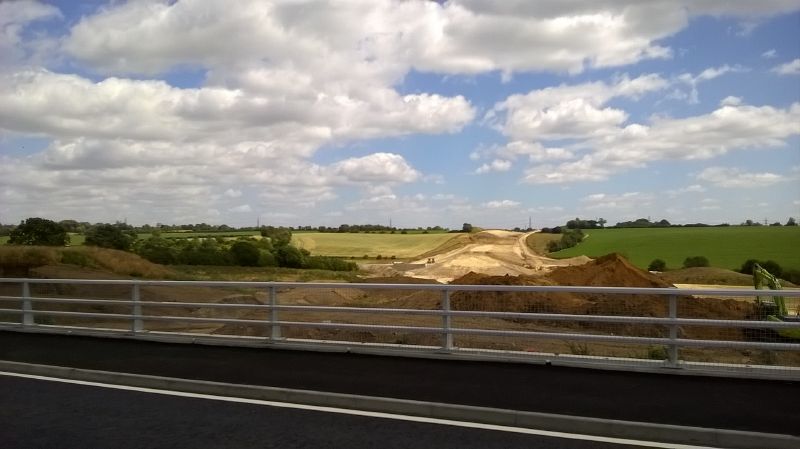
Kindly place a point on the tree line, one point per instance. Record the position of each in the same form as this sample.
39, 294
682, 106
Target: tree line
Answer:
273, 249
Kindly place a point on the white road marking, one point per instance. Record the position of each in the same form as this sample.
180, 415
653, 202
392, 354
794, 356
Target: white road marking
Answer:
344, 411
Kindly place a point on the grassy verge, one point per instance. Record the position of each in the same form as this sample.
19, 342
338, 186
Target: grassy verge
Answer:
538, 242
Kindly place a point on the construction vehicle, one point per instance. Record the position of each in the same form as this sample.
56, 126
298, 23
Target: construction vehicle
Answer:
773, 307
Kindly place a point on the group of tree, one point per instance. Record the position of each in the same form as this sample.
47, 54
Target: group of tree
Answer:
790, 222
38, 231
774, 268
367, 228
569, 238
643, 223
274, 249
577, 223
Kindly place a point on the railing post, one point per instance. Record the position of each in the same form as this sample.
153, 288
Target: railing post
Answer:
447, 335
136, 325
27, 305
672, 350
275, 327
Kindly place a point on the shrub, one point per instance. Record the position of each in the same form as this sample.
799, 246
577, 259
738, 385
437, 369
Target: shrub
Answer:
158, 250
245, 254
657, 265
792, 276
769, 265
110, 236
39, 231
289, 256
695, 261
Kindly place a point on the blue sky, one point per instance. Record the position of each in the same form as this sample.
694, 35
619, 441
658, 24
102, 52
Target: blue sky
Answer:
309, 113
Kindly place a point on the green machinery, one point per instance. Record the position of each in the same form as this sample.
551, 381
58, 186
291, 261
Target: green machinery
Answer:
773, 307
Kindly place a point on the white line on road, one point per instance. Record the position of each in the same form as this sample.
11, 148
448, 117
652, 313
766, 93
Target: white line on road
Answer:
344, 411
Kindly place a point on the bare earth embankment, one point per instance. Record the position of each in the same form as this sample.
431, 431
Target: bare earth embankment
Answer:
494, 253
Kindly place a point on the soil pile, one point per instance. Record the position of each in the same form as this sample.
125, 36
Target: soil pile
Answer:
611, 270
513, 301
608, 271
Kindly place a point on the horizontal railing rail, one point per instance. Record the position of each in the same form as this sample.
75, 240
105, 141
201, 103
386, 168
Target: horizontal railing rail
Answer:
270, 315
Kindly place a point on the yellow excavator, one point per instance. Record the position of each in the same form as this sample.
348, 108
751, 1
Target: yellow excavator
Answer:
773, 307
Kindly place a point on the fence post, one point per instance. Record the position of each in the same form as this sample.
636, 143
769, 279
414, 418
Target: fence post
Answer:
27, 305
447, 336
672, 350
275, 327
137, 325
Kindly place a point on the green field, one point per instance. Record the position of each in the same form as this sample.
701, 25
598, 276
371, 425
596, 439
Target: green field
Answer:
372, 245
724, 247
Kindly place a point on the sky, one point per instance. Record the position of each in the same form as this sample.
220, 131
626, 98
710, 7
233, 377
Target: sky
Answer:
424, 113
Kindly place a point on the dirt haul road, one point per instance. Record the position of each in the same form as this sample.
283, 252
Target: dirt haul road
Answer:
494, 253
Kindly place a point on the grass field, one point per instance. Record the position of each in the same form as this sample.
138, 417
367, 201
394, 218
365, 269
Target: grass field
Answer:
372, 245
724, 247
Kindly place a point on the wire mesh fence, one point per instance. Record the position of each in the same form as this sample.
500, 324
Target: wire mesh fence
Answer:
720, 331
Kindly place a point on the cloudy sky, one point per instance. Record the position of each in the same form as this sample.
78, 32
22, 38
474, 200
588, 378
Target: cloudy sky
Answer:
329, 112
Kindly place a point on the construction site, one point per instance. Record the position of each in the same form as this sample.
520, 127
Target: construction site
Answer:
494, 258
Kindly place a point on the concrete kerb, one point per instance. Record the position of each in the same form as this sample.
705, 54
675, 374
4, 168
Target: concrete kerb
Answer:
541, 421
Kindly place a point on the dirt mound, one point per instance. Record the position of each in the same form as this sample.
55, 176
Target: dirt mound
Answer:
611, 270
513, 301
608, 271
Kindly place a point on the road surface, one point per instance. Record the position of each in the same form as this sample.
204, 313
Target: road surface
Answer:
47, 414
723, 403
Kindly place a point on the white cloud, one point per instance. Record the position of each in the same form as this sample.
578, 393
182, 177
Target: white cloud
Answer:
769, 54
731, 101
737, 178
789, 68
497, 165
564, 111
694, 188
15, 16
241, 209
726, 129
384, 38
281, 80
377, 167
501, 204
706, 75
624, 201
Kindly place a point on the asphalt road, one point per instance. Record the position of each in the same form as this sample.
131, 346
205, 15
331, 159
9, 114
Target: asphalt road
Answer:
45, 414
736, 404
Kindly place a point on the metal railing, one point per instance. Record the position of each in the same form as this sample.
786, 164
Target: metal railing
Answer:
650, 329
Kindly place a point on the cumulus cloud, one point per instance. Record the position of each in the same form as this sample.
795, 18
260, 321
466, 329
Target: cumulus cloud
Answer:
569, 111
377, 167
789, 68
15, 16
729, 177
706, 75
728, 128
497, 165
501, 204
625, 201
279, 81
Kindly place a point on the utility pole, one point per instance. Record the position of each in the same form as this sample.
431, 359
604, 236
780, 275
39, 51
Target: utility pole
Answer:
530, 222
